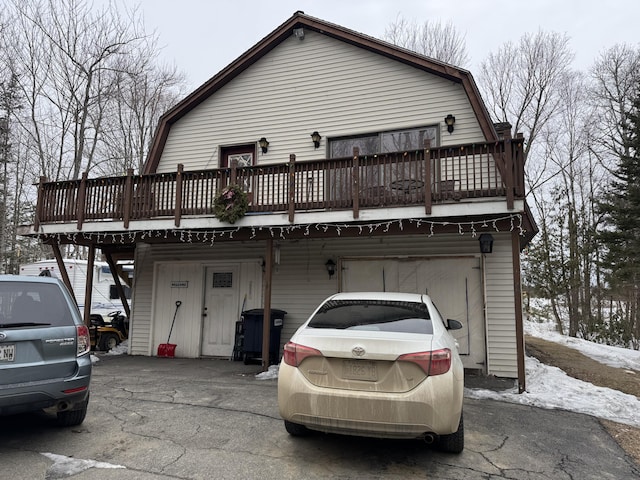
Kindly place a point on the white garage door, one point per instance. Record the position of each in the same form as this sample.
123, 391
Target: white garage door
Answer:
454, 284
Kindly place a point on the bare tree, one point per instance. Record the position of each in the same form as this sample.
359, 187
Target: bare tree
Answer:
615, 75
521, 86
67, 53
89, 83
434, 39
144, 92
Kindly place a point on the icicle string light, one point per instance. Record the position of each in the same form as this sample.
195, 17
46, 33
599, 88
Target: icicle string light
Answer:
513, 222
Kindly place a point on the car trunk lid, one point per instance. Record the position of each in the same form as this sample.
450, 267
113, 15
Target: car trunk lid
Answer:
364, 361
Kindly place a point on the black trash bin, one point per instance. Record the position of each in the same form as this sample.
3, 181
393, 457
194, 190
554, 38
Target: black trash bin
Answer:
252, 322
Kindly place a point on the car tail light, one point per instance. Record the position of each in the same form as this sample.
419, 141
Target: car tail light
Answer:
84, 341
294, 354
433, 363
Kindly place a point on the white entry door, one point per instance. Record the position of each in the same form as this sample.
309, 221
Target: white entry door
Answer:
221, 310
454, 285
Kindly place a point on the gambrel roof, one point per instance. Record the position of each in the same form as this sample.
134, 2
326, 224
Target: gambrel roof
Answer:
271, 41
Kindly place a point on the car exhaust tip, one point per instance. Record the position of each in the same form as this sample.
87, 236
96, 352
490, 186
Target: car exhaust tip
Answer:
62, 406
429, 438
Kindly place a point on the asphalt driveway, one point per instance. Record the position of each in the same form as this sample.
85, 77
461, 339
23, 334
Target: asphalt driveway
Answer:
163, 418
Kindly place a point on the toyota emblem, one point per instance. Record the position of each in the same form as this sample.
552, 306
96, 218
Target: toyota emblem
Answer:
2, 336
358, 351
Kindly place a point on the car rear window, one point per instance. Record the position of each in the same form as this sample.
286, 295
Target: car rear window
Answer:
374, 315
33, 304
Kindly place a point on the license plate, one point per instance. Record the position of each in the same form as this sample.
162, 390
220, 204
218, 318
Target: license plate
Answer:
359, 370
7, 353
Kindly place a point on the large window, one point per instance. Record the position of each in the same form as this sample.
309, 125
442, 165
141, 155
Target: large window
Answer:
384, 142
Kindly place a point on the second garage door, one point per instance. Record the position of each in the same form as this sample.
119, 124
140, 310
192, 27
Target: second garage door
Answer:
454, 284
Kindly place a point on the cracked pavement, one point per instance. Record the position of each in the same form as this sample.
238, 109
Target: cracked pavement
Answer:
165, 418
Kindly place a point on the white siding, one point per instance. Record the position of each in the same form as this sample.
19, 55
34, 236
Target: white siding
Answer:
301, 281
501, 324
316, 84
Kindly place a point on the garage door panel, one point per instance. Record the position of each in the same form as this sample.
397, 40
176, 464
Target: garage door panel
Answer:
454, 284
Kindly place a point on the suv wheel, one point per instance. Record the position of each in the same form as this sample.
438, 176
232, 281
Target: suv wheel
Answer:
70, 418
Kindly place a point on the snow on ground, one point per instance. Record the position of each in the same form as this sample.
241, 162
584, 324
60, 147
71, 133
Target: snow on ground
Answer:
613, 356
549, 387
67, 466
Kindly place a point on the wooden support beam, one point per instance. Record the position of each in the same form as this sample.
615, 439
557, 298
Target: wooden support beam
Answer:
88, 291
116, 280
266, 323
63, 270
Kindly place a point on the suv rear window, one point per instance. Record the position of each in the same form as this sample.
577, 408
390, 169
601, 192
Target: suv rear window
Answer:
24, 303
375, 315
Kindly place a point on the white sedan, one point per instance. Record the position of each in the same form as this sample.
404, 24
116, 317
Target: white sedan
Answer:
375, 364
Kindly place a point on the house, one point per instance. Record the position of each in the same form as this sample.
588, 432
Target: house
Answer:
365, 167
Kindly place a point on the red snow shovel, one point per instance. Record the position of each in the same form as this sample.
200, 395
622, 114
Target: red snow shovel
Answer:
169, 349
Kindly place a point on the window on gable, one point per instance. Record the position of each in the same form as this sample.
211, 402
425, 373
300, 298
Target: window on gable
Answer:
384, 142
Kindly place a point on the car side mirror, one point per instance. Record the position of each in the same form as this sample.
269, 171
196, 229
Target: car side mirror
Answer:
453, 324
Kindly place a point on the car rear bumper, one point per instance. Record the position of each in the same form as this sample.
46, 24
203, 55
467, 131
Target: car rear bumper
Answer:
58, 394
434, 406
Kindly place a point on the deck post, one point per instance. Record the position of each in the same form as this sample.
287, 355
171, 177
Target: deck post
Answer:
292, 187
427, 177
178, 206
82, 200
508, 171
355, 182
127, 198
39, 203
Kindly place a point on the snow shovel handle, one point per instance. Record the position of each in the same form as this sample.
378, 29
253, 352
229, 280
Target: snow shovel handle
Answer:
178, 303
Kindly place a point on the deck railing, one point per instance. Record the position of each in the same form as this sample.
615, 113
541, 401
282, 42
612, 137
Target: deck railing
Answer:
423, 177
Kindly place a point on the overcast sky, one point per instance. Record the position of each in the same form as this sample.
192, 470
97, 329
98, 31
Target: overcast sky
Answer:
203, 36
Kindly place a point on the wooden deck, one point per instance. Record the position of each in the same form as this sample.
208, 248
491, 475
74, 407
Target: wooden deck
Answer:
423, 177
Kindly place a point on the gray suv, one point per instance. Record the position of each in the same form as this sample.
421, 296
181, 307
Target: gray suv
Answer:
44, 349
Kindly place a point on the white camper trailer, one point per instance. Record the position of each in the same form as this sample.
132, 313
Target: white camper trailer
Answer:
104, 297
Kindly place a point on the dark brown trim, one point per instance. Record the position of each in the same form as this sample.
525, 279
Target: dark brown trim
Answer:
88, 292
272, 40
266, 317
116, 279
517, 300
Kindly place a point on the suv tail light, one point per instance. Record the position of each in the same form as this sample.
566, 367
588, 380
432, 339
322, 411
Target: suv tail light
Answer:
294, 354
83, 340
432, 363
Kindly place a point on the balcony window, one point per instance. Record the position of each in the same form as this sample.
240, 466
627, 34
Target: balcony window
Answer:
384, 142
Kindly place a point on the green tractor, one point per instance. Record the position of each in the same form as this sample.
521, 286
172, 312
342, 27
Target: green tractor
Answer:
109, 334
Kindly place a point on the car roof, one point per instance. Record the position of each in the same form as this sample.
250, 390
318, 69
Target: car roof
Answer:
392, 296
29, 279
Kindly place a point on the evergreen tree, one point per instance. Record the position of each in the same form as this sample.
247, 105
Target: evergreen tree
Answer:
621, 233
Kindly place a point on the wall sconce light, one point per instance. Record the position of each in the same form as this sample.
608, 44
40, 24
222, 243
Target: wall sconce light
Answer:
486, 243
264, 144
315, 136
450, 120
331, 267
